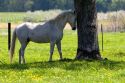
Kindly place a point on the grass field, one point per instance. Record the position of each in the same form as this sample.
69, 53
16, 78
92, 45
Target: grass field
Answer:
12, 17
38, 70
110, 20
19, 17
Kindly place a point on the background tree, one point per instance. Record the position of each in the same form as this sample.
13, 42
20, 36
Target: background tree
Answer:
25, 5
88, 47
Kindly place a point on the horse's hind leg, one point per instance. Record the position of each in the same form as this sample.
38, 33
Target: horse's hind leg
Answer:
21, 52
52, 45
20, 56
59, 49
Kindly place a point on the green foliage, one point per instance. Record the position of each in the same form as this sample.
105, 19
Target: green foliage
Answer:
25, 5
110, 5
38, 70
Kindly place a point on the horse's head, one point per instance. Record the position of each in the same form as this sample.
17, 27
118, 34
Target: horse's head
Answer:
72, 20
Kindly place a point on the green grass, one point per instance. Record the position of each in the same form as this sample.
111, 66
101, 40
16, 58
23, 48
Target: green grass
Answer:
19, 17
15, 17
38, 70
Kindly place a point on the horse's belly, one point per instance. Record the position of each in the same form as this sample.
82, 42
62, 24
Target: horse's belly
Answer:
39, 39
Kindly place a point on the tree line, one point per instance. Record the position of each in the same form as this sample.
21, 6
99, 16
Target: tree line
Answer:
25, 5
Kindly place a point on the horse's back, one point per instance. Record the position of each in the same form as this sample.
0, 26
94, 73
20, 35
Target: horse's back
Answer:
40, 33
34, 31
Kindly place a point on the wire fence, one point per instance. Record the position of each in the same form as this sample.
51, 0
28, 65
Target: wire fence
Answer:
107, 41
110, 22
6, 33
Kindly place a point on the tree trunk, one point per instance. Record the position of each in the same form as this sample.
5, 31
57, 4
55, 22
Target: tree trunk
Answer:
88, 47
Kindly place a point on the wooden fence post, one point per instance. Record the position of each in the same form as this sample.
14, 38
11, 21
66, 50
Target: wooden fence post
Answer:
102, 37
9, 35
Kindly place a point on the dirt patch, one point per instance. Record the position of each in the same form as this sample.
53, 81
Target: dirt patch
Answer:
5, 25
13, 25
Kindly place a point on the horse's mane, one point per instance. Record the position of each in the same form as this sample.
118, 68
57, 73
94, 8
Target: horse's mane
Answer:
61, 15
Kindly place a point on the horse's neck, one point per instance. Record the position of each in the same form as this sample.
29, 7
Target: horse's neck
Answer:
61, 24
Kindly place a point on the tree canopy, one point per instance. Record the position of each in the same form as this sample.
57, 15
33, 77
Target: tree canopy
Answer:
25, 5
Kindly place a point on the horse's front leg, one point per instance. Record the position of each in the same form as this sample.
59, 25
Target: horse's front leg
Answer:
59, 49
52, 45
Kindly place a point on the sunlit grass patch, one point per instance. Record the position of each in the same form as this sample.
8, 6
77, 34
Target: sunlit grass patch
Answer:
38, 70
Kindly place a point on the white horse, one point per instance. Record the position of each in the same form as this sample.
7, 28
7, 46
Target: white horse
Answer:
50, 32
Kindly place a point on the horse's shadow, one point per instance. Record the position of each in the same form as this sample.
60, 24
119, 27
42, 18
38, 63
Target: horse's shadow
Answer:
68, 64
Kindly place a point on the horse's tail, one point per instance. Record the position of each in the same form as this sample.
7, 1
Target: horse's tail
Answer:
12, 48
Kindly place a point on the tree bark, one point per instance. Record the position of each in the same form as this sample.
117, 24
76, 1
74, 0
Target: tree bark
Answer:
88, 47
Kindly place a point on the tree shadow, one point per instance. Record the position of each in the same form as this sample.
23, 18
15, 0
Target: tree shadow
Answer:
68, 64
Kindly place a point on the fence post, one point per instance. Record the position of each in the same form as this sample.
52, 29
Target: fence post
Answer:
9, 35
102, 36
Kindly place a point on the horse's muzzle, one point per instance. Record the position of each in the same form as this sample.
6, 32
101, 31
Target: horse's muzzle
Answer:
74, 28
